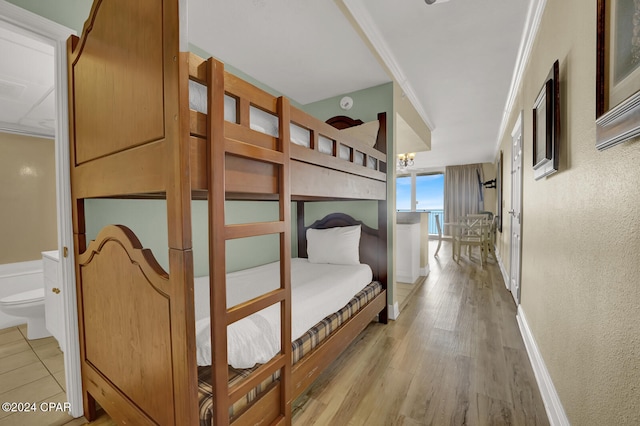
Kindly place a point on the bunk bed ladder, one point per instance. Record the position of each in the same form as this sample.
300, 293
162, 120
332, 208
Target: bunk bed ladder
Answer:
219, 147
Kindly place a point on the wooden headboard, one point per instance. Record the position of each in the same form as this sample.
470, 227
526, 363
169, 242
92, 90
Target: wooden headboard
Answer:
369, 238
343, 122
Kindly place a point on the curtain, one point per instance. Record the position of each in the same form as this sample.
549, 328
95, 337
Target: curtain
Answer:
462, 191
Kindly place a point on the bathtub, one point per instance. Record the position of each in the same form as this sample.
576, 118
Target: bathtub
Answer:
15, 278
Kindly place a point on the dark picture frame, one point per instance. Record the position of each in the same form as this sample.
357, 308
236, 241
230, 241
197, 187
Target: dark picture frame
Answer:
617, 74
546, 125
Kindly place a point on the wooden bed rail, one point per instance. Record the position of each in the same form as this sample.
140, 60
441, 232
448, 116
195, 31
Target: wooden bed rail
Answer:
246, 96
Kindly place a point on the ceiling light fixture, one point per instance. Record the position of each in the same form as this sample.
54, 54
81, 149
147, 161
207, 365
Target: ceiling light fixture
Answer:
406, 160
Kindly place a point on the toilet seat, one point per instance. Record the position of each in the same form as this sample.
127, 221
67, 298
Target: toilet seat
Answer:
31, 296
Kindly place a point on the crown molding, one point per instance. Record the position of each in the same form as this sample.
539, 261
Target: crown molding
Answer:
364, 20
32, 23
19, 129
532, 25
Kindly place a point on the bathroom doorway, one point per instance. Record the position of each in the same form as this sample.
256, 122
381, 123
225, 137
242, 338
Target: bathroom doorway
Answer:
29, 26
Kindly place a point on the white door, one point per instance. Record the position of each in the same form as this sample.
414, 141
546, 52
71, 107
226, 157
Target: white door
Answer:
516, 207
16, 19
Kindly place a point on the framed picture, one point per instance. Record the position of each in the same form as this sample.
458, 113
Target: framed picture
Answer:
546, 125
617, 72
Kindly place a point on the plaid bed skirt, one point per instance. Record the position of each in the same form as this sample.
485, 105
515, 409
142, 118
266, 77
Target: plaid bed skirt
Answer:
305, 344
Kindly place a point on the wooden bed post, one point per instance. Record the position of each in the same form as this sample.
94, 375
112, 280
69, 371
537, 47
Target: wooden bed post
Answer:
302, 238
381, 145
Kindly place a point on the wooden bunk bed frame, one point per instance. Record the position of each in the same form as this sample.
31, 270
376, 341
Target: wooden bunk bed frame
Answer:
133, 135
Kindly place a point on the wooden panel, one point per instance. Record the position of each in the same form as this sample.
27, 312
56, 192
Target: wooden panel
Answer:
238, 87
247, 135
311, 365
250, 176
198, 163
120, 408
135, 171
183, 337
307, 179
197, 68
118, 85
264, 410
305, 120
314, 157
198, 123
127, 330
256, 377
243, 175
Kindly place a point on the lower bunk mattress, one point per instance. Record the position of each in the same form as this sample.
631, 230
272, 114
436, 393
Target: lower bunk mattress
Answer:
301, 346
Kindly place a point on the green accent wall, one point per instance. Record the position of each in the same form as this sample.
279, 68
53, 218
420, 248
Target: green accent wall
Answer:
148, 220
367, 104
70, 13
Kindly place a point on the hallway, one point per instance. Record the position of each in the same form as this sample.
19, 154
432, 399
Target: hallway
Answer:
453, 357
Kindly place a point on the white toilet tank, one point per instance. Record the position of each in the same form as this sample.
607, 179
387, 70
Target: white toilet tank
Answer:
17, 278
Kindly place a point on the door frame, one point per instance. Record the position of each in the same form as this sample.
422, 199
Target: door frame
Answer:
516, 132
54, 34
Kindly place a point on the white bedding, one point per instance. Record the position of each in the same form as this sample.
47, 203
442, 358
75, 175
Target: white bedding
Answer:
318, 290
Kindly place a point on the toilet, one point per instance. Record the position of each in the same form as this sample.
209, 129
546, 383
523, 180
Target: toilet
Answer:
29, 305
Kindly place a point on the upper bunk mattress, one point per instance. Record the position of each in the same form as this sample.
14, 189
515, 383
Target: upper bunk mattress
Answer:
317, 291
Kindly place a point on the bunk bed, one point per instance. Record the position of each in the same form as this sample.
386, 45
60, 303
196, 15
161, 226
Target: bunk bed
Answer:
138, 130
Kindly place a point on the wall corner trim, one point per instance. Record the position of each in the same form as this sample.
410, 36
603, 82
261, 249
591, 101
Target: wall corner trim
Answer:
552, 404
394, 311
424, 272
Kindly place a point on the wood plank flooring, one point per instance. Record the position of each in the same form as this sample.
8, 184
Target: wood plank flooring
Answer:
453, 357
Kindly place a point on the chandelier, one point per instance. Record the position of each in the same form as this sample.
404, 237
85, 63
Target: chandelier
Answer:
406, 160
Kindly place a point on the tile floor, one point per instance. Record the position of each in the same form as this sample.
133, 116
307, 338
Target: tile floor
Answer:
32, 371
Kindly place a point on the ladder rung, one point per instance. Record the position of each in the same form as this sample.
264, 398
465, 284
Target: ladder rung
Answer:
237, 391
254, 305
253, 152
253, 229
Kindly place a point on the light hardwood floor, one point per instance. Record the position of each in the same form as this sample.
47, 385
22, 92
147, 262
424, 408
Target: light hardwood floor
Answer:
453, 357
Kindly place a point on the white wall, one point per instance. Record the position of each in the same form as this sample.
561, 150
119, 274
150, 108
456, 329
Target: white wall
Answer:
580, 235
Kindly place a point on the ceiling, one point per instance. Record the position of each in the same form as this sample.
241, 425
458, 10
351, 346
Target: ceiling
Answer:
454, 60
27, 99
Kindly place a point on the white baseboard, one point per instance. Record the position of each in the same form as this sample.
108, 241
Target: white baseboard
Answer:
425, 271
406, 279
505, 275
393, 311
552, 404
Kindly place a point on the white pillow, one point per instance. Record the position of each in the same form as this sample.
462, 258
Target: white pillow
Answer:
339, 246
366, 133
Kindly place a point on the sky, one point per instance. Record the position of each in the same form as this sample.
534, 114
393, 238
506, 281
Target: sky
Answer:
429, 192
